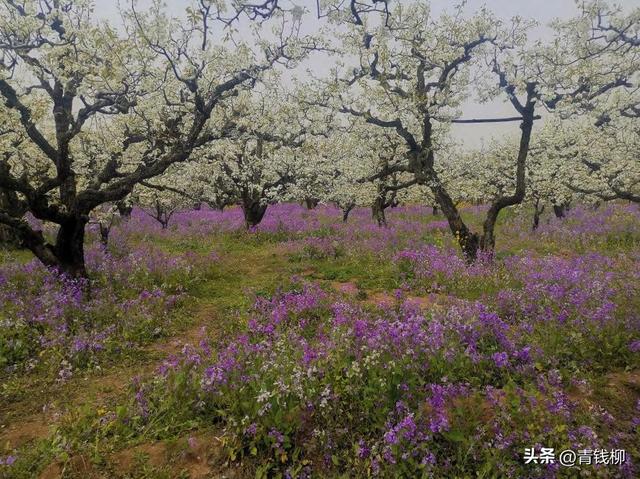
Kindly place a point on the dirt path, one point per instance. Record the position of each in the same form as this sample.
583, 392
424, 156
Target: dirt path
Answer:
35, 416
194, 456
95, 391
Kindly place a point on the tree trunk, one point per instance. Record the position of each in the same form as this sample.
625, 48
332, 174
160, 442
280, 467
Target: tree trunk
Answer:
346, 210
105, 229
488, 239
217, 205
468, 241
377, 211
253, 212
422, 164
560, 210
537, 211
434, 211
124, 209
162, 214
69, 248
379, 206
8, 237
311, 203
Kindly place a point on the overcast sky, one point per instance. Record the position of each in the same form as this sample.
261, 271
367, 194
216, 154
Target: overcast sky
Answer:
543, 11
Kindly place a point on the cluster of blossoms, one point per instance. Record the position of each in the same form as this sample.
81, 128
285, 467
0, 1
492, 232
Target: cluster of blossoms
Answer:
50, 318
316, 380
350, 385
407, 228
583, 225
320, 233
323, 376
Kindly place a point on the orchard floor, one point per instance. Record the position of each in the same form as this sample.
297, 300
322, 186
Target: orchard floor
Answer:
464, 366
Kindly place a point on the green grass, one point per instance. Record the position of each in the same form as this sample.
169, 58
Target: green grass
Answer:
366, 271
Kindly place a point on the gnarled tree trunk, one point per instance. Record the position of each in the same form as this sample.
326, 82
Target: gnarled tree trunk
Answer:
468, 241
105, 230
8, 237
423, 166
488, 240
538, 209
162, 214
67, 252
311, 203
253, 212
346, 210
560, 209
69, 247
377, 211
124, 209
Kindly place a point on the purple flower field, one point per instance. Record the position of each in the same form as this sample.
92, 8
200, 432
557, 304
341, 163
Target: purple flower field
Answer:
309, 347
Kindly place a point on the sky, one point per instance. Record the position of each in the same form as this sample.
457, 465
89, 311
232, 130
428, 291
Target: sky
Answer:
473, 135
